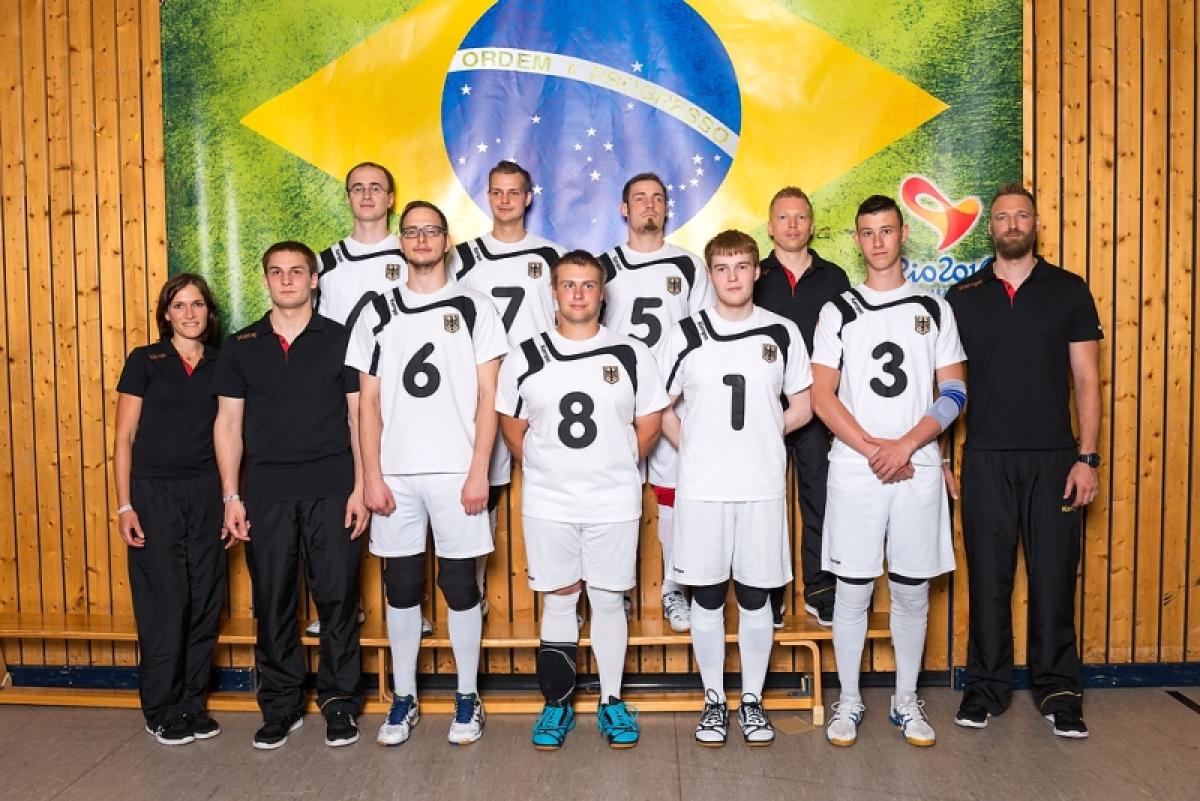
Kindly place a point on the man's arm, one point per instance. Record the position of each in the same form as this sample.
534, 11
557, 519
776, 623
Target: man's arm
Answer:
1082, 481
356, 512
513, 429
829, 407
892, 456
475, 488
227, 443
798, 411
376, 495
647, 427
671, 423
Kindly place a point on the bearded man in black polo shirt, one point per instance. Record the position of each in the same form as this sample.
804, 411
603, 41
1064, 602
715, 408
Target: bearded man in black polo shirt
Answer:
1031, 332
287, 402
796, 282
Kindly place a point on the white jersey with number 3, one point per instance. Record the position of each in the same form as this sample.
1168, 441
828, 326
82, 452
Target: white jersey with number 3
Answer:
729, 377
425, 348
581, 398
888, 347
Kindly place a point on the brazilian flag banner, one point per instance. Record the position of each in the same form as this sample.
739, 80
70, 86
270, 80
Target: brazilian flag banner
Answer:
269, 103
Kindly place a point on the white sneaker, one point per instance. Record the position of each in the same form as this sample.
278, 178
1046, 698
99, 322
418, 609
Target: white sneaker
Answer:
467, 726
314, 629
843, 727
426, 627
756, 726
714, 721
400, 720
908, 714
676, 611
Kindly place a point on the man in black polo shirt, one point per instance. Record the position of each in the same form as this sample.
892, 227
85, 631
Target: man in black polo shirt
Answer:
287, 402
796, 282
1031, 332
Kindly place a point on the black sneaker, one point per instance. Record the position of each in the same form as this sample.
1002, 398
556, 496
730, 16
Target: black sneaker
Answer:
202, 725
274, 732
1068, 724
821, 607
340, 729
777, 611
971, 716
173, 731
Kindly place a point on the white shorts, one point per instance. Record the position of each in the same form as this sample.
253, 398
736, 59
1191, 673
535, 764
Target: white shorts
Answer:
863, 516
500, 465
746, 538
559, 554
424, 498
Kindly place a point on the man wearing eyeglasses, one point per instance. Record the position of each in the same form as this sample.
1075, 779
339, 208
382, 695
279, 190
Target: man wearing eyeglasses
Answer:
428, 353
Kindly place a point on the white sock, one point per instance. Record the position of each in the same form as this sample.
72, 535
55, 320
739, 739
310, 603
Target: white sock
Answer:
850, 605
666, 521
909, 618
610, 635
559, 622
466, 629
756, 633
708, 644
404, 635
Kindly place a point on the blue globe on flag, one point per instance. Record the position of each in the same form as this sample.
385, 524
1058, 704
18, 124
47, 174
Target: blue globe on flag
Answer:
585, 95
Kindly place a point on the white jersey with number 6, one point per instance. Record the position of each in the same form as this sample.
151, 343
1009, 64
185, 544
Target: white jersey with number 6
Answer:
516, 276
580, 398
424, 348
888, 347
729, 377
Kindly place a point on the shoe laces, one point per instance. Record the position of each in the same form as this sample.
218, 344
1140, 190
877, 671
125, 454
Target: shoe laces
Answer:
752, 711
618, 716
849, 710
715, 712
674, 603
401, 706
553, 719
911, 710
464, 707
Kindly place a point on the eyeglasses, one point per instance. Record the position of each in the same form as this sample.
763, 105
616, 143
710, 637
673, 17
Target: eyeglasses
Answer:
428, 231
368, 189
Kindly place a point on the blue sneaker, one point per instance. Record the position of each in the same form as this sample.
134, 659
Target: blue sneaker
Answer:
552, 726
467, 726
398, 725
618, 723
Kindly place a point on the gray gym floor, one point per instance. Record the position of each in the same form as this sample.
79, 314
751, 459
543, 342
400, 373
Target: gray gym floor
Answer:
1144, 744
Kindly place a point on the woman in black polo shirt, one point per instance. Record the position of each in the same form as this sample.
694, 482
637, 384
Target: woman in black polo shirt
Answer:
169, 499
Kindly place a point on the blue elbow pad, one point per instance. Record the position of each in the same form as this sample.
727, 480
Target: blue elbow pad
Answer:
952, 398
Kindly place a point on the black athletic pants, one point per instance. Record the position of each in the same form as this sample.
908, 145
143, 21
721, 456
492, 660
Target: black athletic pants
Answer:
809, 451
281, 533
178, 585
1009, 496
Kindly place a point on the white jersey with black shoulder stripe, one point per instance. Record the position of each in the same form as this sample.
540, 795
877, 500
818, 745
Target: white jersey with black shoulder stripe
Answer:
515, 275
351, 274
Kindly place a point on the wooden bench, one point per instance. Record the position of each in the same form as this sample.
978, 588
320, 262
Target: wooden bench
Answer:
799, 631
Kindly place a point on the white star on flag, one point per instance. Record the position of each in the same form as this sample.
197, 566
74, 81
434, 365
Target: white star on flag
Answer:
465, 89
535, 119
695, 182
608, 145
629, 107
591, 131
697, 159
699, 171
717, 157
497, 140
462, 159
671, 202
589, 159
578, 146
636, 66
481, 147
537, 189
595, 176
670, 187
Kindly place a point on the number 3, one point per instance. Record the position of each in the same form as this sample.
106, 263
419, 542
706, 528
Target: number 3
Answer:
895, 357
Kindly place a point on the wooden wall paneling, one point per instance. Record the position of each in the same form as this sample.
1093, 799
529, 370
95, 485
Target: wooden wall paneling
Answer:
1190, 71
138, 307
1180, 219
1152, 330
1101, 274
1125, 334
499, 574
522, 604
648, 593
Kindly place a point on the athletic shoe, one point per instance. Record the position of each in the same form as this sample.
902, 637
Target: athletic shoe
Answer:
821, 607
971, 716
677, 612
340, 729
274, 732
426, 627
843, 727
174, 731
202, 725
400, 720
618, 723
1066, 724
314, 629
467, 726
908, 714
714, 721
483, 607
628, 608
552, 726
777, 613
756, 727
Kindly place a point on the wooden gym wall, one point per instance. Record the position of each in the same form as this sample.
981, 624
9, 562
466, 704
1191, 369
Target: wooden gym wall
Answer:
1110, 148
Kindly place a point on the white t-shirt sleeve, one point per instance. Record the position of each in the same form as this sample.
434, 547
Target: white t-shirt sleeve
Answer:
363, 344
490, 340
797, 373
827, 345
702, 295
507, 394
949, 346
651, 394
668, 352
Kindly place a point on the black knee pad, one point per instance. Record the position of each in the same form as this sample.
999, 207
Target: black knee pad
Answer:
404, 580
711, 596
859, 581
750, 598
556, 670
912, 582
456, 577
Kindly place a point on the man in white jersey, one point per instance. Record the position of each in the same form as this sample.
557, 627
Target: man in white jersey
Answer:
428, 353
511, 266
580, 405
726, 369
650, 286
887, 380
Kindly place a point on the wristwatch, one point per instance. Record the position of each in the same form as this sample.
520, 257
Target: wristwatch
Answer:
1090, 459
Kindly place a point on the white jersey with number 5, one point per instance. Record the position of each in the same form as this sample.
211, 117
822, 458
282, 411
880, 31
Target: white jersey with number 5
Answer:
645, 294
888, 347
581, 398
516, 276
729, 377
425, 348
